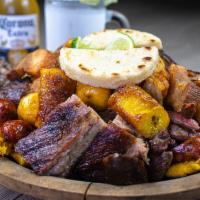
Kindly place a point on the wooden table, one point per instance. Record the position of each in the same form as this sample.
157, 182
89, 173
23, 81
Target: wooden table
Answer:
176, 22
6, 194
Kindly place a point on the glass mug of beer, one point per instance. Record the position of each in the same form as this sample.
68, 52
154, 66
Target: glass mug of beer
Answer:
66, 19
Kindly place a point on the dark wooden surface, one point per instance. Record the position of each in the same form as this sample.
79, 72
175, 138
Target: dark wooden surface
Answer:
176, 22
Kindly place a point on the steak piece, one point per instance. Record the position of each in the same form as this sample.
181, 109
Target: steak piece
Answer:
15, 90
160, 142
178, 133
66, 134
113, 157
184, 122
183, 94
187, 151
159, 164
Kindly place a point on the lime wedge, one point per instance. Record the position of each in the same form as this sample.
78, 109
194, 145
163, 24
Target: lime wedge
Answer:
97, 2
122, 43
109, 39
75, 42
90, 2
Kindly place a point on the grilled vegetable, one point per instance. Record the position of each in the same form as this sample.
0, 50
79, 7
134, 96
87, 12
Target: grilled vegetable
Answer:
93, 96
7, 110
14, 130
19, 159
183, 169
28, 107
5, 148
145, 114
55, 88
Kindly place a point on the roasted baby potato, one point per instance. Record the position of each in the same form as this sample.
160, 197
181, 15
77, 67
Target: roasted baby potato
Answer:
28, 108
5, 148
8, 110
14, 130
55, 88
183, 169
93, 96
35, 61
157, 84
138, 108
19, 159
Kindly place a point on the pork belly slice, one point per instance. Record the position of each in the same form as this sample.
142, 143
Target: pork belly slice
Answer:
113, 157
183, 94
68, 131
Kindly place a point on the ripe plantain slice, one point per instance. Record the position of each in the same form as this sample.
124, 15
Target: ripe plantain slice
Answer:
143, 112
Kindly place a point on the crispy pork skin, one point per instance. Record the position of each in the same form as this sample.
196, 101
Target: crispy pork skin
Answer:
15, 90
183, 94
68, 131
113, 157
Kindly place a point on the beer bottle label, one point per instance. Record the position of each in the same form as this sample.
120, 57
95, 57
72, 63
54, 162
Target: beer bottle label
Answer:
18, 32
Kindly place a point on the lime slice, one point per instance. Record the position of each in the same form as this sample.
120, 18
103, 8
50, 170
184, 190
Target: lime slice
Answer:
75, 42
122, 43
97, 2
90, 2
109, 39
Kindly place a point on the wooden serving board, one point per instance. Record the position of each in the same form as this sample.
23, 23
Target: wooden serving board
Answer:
25, 181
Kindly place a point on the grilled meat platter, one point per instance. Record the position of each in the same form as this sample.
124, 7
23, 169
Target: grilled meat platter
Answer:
112, 107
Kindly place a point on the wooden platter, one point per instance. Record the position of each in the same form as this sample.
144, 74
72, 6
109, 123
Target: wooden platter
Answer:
24, 181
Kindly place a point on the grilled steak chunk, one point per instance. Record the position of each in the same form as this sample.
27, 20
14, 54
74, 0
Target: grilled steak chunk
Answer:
113, 157
160, 142
15, 90
187, 151
66, 134
159, 164
184, 122
178, 133
183, 94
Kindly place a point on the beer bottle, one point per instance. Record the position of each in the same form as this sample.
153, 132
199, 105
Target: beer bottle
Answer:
19, 29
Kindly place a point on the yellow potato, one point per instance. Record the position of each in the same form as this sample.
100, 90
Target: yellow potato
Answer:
5, 148
19, 159
93, 96
28, 107
183, 169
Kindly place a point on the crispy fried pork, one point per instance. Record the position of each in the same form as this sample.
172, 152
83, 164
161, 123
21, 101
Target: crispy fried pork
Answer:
15, 90
183, 94
68, 131
54, 89
114, 156
157, 84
